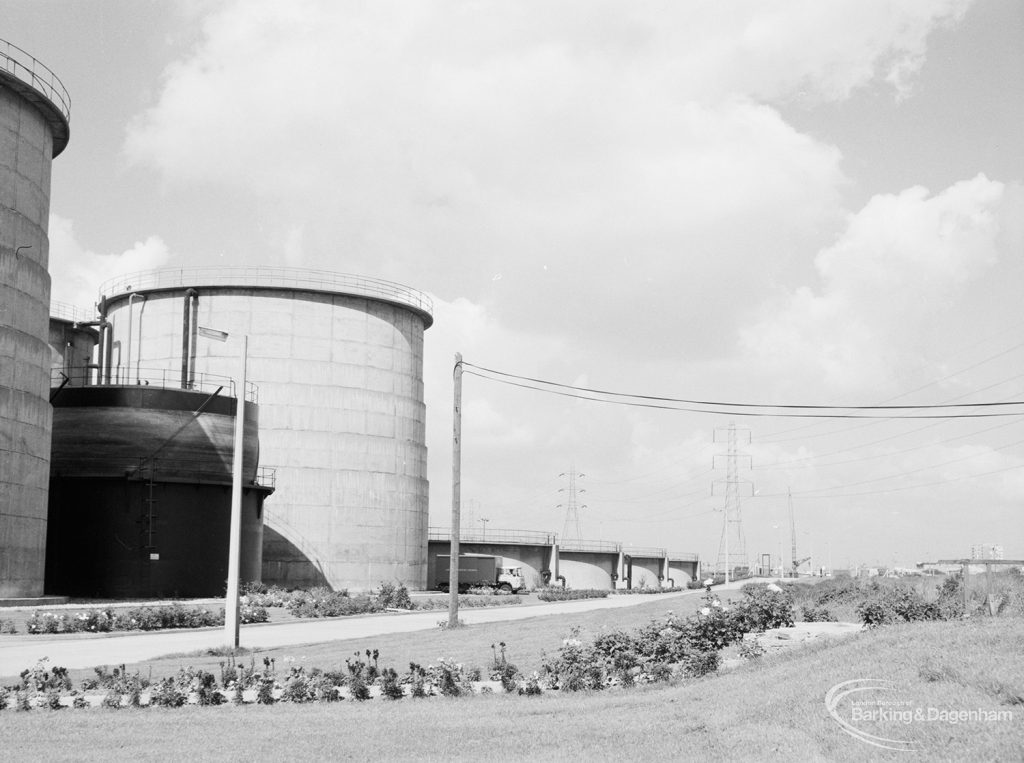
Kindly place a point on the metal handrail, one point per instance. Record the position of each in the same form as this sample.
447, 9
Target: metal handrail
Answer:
22, 65
268, 277
266, 476
493, 536
645, 552
67, 312
599, 546
161, 378
683, 556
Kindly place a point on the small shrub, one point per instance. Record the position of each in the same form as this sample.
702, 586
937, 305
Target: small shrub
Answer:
503, 670
112, 700
391, 596
166, 693
356, 680
751, 648
893, 605
8, 626
812, 613
574, 667
764, 606
417, 680
265, 690
449, 679
296, 687
532, 686
391, 685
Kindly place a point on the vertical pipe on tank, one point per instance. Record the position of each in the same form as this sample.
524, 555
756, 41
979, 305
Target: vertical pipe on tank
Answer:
128, 363
195, 332
187, 358
138, 351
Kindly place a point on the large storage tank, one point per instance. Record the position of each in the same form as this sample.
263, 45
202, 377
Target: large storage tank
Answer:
73, 339
140, 491
34, 128
339, 363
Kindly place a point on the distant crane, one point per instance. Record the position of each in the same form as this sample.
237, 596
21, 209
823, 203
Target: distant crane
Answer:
792, 534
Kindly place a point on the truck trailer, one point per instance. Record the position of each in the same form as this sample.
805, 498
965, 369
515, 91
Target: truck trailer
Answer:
480, 571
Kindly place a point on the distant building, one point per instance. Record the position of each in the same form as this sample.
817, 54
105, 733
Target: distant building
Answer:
986, 551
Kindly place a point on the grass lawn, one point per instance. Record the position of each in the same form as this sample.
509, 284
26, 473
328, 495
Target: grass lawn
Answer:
771, 708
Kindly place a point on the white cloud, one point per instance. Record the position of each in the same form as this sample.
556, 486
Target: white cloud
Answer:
902, 260
78, 272
591, 153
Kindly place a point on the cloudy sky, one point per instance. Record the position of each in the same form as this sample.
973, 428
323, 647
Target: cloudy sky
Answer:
788, 202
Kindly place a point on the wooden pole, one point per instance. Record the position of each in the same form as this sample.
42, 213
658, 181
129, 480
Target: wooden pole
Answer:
453, 559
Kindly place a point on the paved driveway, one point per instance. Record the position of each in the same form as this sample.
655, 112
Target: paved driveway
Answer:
89, 649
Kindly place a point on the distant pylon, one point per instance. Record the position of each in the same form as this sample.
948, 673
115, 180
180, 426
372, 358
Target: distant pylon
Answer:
571, 528
732, 548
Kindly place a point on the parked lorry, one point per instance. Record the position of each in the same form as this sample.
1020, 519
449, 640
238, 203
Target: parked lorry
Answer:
480, 571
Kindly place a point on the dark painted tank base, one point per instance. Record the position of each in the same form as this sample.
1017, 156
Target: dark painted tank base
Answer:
119, 538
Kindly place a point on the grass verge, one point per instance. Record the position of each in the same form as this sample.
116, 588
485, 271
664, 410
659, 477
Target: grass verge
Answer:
767, 709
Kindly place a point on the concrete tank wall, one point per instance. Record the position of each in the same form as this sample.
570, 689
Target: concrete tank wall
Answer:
340, 378
140, 493
33, 129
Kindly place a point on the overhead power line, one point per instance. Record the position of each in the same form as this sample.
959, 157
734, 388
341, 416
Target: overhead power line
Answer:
742, 409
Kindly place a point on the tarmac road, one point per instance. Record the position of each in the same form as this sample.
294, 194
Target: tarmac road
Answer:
87, 650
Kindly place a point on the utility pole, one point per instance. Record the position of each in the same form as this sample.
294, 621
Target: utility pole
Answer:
732, 547
453, 565
792, 530
572, 515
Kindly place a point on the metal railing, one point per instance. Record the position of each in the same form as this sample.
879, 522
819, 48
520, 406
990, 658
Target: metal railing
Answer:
67, 312
266, 476
683, 556
159, 468
161, 378
644, 552
595, 546
268, 277
526, 537
24, 67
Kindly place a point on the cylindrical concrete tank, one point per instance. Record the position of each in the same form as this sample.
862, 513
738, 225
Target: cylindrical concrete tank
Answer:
73, 338
339, 364
140, 492
34, 128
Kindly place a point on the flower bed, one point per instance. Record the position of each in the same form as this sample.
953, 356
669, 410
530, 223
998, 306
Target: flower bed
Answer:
136, 619
663, 649
571, 594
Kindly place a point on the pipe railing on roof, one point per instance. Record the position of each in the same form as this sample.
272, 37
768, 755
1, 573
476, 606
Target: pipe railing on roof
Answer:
267, 277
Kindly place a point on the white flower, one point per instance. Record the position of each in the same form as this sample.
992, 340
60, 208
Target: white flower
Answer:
706, 611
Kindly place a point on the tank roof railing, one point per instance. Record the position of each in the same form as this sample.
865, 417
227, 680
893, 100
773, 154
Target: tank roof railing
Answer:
269, 277
161, 378
23, 67
65, 311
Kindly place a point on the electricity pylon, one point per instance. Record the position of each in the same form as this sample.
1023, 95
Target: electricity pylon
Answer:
571, 528
732, 548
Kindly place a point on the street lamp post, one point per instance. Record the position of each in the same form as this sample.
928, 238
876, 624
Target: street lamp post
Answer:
231, 629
